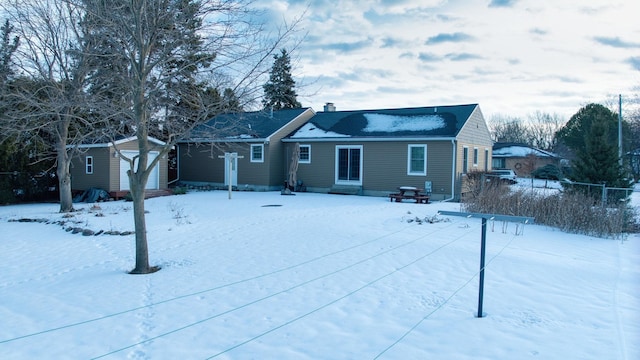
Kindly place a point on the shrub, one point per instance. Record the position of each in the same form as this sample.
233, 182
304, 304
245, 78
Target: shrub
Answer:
178, 190
547, 172
570, 212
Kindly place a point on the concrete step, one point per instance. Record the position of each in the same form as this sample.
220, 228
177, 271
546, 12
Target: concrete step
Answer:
346, 190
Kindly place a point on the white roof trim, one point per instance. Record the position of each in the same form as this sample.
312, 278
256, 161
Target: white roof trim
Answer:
116, 143
233, 140
368, 139
268, 139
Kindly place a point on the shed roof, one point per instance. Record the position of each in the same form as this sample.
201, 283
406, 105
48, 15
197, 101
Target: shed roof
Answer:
432, 121
121, 139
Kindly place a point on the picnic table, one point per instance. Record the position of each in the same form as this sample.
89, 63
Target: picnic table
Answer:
410, 192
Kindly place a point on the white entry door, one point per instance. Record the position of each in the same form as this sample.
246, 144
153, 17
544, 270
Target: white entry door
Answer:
231, 172
154, 178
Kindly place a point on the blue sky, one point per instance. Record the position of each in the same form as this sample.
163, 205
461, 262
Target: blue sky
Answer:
513, 57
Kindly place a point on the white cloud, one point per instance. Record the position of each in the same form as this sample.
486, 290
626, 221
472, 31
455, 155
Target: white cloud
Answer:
513, 59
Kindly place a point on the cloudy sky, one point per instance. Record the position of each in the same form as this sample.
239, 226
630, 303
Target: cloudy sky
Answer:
513, 57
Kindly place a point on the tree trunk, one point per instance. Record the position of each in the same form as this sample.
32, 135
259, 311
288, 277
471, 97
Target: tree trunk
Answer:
142, 251
63, 161
64, 183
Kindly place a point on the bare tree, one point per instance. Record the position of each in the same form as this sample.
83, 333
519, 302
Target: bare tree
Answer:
155, 57
508, 129
538, 130
48, 102
543, 128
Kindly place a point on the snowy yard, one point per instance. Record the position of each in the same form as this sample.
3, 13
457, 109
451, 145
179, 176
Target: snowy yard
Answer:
311, 276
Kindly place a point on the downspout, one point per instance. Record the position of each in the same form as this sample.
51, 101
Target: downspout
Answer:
177, 166
453, 171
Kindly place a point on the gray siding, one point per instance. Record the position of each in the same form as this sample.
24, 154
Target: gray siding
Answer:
80, 180
254, 173
106, 172
384, 166
320, 172
200, 163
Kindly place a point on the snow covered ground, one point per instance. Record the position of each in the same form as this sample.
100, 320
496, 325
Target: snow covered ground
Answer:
311, 276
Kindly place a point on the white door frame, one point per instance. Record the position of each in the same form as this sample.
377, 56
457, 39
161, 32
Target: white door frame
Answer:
337, 164
154, 178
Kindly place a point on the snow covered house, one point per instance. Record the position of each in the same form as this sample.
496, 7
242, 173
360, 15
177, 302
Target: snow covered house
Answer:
521, 158
100, 166
242, 148
373, 152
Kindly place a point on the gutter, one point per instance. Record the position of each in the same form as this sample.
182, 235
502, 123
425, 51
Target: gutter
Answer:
177, 166
365, 139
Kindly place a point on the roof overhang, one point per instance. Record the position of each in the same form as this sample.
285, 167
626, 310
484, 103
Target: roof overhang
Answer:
116, 143
224, 141
367, 139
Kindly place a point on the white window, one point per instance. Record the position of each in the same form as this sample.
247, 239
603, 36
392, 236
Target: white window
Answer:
475, 156
417, 160
486, 159
88, 164
465, 160
305, 154
257, 153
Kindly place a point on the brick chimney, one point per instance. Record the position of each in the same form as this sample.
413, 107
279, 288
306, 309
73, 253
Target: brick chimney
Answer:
329, 107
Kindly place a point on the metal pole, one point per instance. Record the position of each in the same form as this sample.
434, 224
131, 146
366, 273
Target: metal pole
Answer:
483, 243
230, 173
620, 129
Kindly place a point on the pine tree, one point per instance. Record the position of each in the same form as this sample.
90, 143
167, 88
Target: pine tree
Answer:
598, 161
7, 47
592, 135
279, 91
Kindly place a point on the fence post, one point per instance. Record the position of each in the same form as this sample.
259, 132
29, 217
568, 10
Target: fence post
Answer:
483, 243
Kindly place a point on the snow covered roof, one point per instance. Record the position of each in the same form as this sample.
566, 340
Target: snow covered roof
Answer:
110, 143
309, 130
435, 121
519, 150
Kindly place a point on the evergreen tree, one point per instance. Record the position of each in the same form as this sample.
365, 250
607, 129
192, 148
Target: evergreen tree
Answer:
592, 136
598, 161
8, 46
577, 129
230, 102
279, 91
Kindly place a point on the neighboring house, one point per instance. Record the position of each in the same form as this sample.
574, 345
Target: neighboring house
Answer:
376, 151
254, 138
521, 158
100, 166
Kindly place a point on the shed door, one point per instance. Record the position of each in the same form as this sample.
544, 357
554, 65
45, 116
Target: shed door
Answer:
154, 178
